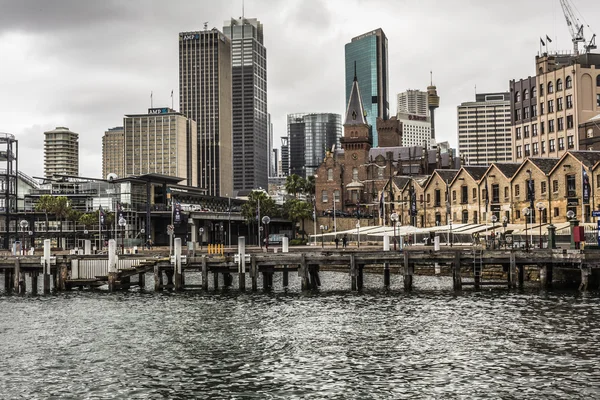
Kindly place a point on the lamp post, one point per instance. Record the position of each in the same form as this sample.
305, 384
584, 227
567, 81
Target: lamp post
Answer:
266, 220
358, 234
525, 211
540, 206
24, 225
494, 220
122, 224
504, 223
322, 244
200, 232
572, 223
394, 218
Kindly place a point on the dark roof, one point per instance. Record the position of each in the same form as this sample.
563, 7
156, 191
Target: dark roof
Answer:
355, 113
508, 169
476, 171
401, 181
587, 158
446, 174
159, 178
544, 164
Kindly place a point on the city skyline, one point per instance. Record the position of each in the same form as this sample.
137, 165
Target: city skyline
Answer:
84, 64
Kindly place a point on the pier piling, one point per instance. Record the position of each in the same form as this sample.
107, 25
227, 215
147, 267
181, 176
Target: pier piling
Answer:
253, 273
177, 268
242, 262
386, 275
17, 277
34, 283
456, 276
47, 266
408, 272
204, 274
353, 273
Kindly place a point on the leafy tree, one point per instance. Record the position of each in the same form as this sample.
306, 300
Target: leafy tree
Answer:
61, 209
74, 216
309, 186
267, 206
295, 210
294, 184
45, 204
89, 220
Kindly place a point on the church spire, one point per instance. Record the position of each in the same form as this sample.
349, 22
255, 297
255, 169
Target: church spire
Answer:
355, 113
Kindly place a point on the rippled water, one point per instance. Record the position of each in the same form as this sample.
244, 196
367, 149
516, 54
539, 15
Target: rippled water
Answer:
332, 344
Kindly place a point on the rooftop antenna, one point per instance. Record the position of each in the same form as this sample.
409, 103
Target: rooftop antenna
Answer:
431, 78
242, 9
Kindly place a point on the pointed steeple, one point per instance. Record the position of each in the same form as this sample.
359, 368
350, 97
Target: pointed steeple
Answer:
355, 113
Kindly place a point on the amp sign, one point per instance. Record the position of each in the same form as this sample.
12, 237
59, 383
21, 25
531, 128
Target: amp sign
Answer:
158, 110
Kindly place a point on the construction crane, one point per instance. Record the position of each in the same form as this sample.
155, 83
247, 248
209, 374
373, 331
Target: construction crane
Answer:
576, 28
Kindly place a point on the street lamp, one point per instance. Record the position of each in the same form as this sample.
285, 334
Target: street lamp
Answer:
122, 224
394, 218
540, 206
572, 221
24, 225
322, 244
200, 231
358, 234
266, 220
494, 220
525, 211
504, 223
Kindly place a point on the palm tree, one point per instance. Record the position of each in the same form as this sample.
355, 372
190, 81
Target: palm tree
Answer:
293, 184
309, 186
45, 204
61, 209
296, 209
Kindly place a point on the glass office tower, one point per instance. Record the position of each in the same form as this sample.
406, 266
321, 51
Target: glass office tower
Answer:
367, 56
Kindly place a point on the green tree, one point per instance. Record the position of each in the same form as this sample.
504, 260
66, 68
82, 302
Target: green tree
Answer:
61, 209
267, 206
89, 220
295, 210
45, 204
74, 216
309, 187
294, 184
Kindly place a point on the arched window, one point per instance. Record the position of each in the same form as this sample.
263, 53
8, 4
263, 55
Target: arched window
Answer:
568, 82
355, 174
558, 85
533, 92
379, 173
598, 80
525, 94
550, 88
517, 97
330, 174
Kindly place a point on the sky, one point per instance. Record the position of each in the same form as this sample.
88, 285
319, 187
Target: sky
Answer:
84, 64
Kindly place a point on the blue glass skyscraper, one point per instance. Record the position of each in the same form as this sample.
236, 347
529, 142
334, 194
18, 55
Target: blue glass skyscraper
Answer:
367, 56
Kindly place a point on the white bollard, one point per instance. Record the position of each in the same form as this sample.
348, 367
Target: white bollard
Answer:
401, 243
436, 243
386, 243
112, 256
284, 244
177, 252
87, 247
47, 256
242, 254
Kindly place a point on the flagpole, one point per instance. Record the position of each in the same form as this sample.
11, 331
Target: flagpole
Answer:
100, 226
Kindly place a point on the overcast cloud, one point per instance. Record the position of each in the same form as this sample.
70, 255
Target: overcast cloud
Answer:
84, 64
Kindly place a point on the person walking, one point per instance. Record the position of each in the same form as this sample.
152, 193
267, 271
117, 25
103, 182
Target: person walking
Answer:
345, 241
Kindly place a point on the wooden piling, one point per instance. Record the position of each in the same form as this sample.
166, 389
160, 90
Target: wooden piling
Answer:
408, 272
360, 277
456, 276
63, 275
216, 280
17, 277
353, 273
204, 273
158, 279
512, 271
142, 280
34, 283
303, 272
47, 266
8, 281
253, 273
585, 274
386, 275
285, 276
545, 276
177, 267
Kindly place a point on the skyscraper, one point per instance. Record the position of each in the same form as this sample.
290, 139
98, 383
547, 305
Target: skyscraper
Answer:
484, 129
250, 122
311, 135
61, 152
205, 97
113, 152
413, 102
285, 157
367, 59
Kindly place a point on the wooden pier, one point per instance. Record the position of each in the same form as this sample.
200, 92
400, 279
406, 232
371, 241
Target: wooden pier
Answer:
467, 266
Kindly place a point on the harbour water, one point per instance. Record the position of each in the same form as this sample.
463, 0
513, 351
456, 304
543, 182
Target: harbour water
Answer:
431, 343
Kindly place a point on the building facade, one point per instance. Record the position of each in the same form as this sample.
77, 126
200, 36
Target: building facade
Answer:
484, 129
413, 102
61, 152
546, 111
250, 121
161, 142
113, 152
311, 135
416, 130
285, 157
205, 96
367, 59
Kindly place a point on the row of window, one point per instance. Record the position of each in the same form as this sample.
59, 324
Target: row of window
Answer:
533, 149
531, 111
560, 126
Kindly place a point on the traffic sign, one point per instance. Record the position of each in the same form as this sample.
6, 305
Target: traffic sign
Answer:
596, 213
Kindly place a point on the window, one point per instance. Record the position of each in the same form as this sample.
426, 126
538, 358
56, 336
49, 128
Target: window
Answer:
535, 148
570, 142
324, 196
526, 131
551, 146
380, 173
527, 151
542, 129
555, 186
571, 192
551, 126
559, 104
598, 80
558, 85
518, 132
518, 97
569, 121
519, 152
598, 99
550, 106
517, 191
541, 108
543, 187
525, 94
454, 194
568, 82
531, 185
597, 181
541, 89
474, 193
533, 110
569, 101
561, 144
495, 193
561, 123
330, 174
518, 114
556, 213
464, 195
336, 196
543, 147
506, 191
355, 174
533, 92
550, 88
438, 198
534, 130
518, 214
526, 113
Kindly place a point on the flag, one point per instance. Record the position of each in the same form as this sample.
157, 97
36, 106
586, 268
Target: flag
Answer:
102, 216
548, 39
585, 186
171, 94
531, 193
413, 203
542, 41
177, 213
381, 205
119, 212
487, 196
